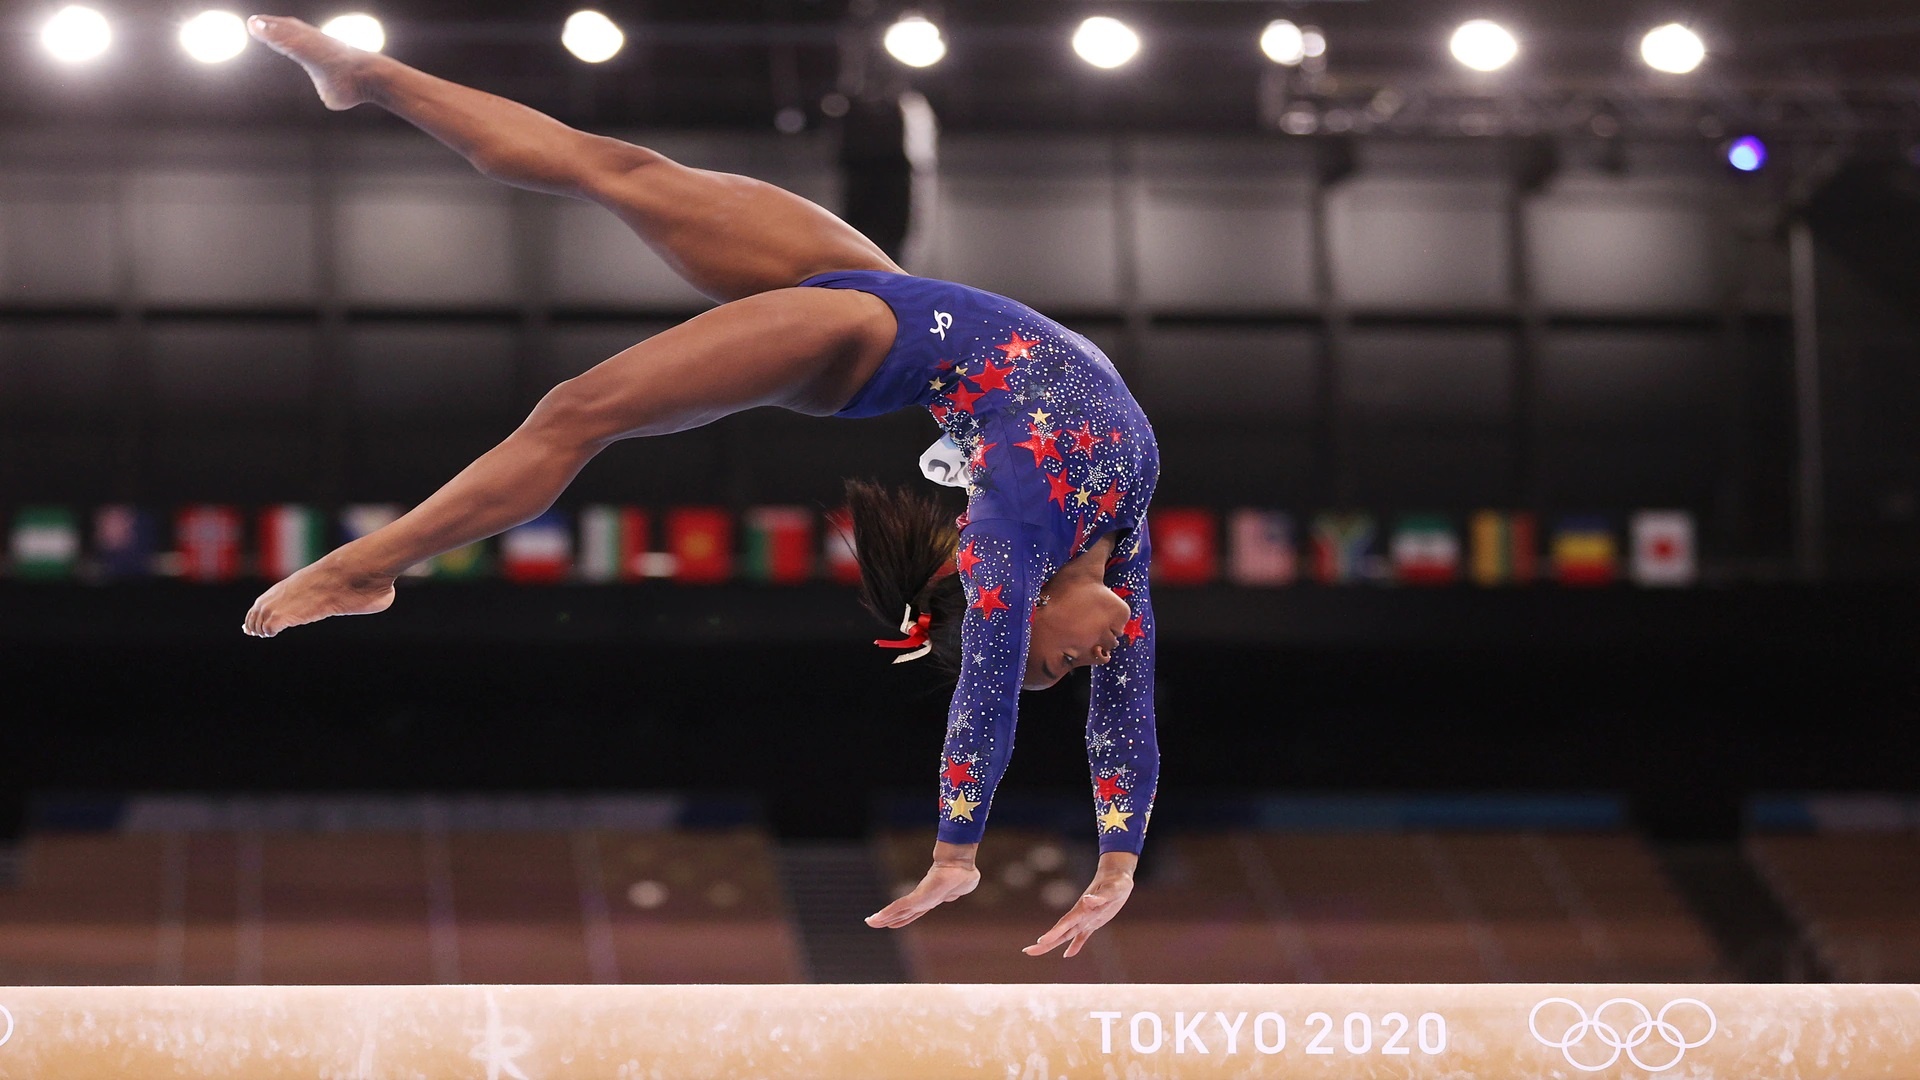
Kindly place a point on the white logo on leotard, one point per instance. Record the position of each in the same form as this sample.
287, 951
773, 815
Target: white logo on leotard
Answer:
942, 322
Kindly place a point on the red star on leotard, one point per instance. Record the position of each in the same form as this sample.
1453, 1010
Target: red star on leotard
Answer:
959, 772
1122, 591
939, 413
1110, 501
1108, 788
968, 560
979, 458
1084, 440
989, 602
964, 398
1114, 436
1041, 445
993, 378
1019, 348
1133, 630
1058, 489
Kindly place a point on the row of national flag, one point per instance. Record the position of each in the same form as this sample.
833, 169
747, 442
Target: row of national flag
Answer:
598, 544
1263, 548
793, 544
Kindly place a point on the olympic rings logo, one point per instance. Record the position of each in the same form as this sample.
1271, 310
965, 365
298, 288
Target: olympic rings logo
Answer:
1609, 1037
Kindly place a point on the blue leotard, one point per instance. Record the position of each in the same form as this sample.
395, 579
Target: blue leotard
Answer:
1059, 455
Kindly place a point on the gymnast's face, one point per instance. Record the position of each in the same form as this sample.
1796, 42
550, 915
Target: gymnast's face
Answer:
1079, 625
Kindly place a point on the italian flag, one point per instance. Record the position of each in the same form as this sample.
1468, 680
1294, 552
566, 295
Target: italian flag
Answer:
613, 541
1426, 551
45, 543
779, 544
291, 536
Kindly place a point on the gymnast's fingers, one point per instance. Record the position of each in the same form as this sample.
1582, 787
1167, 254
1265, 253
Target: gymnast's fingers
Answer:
906, 909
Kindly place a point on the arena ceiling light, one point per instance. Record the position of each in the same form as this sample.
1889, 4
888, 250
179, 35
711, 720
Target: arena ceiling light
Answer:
1105, 42
1674, 49
76, 34
214, 37
1316, 42
592, 37
1284, 43
915, 42
1748, 153
360, 30
1484, 46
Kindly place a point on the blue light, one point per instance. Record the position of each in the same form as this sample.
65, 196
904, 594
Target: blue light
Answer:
1748, 154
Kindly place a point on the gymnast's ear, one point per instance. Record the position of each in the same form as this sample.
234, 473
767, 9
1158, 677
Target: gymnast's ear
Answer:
903, 541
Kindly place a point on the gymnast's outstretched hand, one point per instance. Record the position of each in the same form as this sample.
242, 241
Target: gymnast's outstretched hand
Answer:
951, 877
329, 587
1112, 884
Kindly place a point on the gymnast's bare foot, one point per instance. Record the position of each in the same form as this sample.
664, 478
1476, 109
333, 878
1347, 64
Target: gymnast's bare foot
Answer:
338, 69
325, 589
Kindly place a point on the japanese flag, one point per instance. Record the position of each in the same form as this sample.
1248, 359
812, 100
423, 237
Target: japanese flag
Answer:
1663, 554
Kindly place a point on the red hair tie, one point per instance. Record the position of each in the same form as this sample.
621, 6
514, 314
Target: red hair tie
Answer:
917, 637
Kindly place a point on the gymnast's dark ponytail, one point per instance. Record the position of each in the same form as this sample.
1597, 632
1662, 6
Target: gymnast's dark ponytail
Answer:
906, 544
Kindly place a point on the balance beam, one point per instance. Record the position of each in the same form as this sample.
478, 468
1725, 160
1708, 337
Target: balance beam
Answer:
1406, 1032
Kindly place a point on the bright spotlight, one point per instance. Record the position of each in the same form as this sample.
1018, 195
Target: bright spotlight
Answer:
1316, 43
592, 36
1673, 49
76, 33
1747, 153
1106, 43
1484, 46
915, 42
358, 30
214, 37
1284, 43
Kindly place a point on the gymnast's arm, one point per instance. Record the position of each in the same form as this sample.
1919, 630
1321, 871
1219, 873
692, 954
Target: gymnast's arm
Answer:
1123, 754
980, 721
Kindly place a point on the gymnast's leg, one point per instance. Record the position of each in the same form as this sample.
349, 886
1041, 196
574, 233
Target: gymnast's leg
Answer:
807, 350
729, 236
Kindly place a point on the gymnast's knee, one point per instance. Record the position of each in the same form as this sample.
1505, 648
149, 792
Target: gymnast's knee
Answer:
576, 415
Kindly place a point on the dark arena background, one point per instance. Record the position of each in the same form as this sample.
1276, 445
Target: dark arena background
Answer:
1538, 542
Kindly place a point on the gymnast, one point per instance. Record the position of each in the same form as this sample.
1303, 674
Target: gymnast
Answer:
1045, 572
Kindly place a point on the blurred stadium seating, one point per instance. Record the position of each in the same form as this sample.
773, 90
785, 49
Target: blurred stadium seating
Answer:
1848, 870
417, 897
1360, 899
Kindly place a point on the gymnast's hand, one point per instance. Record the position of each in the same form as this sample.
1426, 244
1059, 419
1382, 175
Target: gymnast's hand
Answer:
1112, 884
952, 876
329, 587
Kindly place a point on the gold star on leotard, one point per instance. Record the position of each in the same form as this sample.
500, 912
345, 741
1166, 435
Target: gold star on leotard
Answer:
1082, 497
960, 808
1114, 820
937, 385
1040, 416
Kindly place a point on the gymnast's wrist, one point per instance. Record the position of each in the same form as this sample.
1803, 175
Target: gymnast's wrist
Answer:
958, 855
1117, 864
